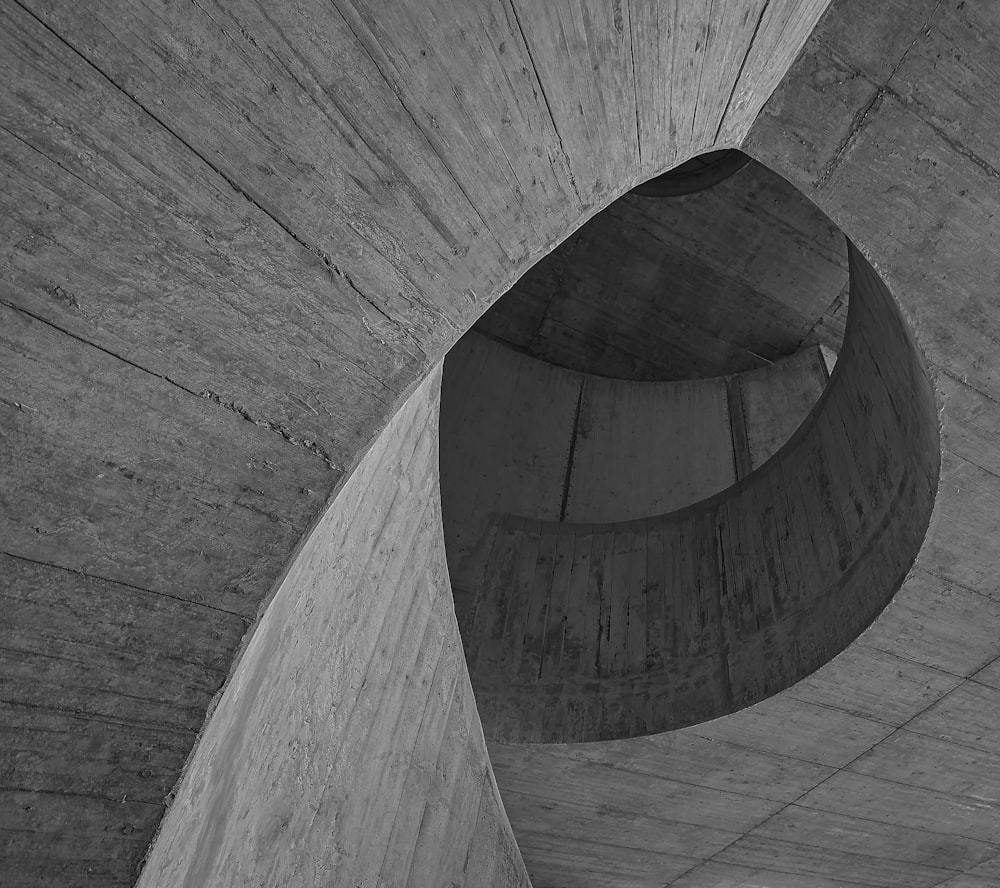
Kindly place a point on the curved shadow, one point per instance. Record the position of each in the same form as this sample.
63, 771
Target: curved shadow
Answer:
697, 174
600, 631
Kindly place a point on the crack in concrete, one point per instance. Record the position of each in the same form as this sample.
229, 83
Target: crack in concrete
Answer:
829, 312
958, 147
564, 257
81, 715
860, 119
89, 576
94, 345
701, 67
922, 31
68, 298
17, 405
872, 646
635, 86
288, 436
416, 124
296, 441
835, 770
382, 337
950, 581
572, 452
963, 381
67, 793
883, 90
991, 472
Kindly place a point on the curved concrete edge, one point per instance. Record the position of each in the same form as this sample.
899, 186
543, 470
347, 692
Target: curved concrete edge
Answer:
556, 444
582, 632
347, 748
168, 217
880, 769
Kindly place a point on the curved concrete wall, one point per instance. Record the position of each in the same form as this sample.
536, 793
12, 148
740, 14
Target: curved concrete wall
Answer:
521, 437
881, 768
601, 631
356, 673
707, 284
233, 237
175, 183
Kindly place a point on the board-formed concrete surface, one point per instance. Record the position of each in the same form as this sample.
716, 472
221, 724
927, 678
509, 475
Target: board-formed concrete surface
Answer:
719, 281
615, 627
395, 768
235, 239
523, 437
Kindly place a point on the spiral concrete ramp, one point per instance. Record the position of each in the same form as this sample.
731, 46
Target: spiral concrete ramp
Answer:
238, 239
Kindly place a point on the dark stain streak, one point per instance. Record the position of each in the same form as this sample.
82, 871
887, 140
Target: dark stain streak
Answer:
599, 581
635, 89
572, 452
725, 675
309, 445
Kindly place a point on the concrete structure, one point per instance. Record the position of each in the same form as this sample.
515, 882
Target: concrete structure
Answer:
237, 241
709, 283
607, 601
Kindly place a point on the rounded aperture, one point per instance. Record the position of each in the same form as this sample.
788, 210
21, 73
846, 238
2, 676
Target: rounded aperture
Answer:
658, 518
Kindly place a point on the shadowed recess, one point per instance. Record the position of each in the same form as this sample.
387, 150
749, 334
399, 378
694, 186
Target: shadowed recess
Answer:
721, 280
592, 630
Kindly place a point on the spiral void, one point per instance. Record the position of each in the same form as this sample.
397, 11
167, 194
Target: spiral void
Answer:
678, 474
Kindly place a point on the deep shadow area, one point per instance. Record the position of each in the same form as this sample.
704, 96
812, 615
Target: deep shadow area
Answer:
605, 628
723, 280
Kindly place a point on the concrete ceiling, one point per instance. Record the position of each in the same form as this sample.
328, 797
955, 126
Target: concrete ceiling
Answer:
237, 239
721, 281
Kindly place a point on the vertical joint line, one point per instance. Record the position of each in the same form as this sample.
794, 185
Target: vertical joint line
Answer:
572, 453
742, 458
725, 673
635, 85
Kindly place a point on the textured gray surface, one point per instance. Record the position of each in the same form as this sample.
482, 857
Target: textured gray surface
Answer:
257, 223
